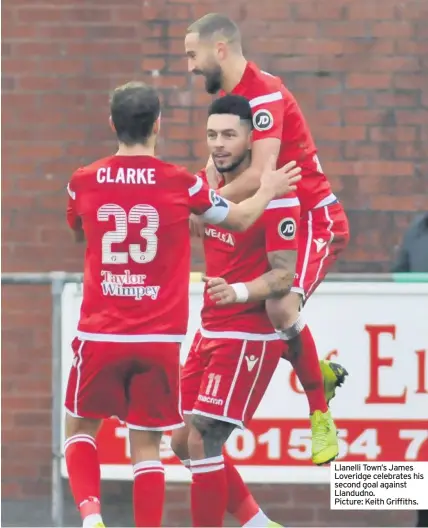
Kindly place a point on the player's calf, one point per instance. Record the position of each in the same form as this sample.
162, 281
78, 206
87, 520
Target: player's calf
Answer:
84, 468
240, 503
301, 350
318, 378
209, 491
149, 476
302, 354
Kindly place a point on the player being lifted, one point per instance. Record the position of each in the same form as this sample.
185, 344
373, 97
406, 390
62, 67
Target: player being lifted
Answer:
213, 48
133, 210
236, 351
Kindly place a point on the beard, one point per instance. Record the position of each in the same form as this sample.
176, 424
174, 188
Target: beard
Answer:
232, 166
213, 80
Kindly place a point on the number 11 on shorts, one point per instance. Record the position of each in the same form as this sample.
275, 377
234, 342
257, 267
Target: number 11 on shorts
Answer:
213, 384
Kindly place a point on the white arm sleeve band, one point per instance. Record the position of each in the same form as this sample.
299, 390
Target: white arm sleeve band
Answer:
218, 212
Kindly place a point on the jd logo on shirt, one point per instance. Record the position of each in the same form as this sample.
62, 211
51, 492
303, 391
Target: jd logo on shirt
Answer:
262, 120
287, 228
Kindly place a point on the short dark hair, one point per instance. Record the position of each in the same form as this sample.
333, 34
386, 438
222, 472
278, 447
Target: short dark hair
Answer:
213, 23
235, 105
134, 108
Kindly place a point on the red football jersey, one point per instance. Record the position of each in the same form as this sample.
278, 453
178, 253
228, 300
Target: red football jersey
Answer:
242, 257
276, 114
134, 211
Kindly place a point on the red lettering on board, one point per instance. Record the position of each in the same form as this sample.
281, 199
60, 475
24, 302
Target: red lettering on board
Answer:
377, 362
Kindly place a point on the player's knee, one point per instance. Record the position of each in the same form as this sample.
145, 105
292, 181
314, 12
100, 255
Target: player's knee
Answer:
284, 312
195, 442
143, 438
179, 441
144, 445
291, 332
75, 426
207, 436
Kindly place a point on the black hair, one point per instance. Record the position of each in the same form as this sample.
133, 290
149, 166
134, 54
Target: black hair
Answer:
235, 105
134, 108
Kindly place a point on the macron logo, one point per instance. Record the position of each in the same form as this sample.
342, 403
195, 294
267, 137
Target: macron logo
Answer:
320, 243
251, 362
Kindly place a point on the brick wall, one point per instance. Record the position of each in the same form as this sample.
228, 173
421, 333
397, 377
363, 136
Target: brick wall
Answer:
356, 68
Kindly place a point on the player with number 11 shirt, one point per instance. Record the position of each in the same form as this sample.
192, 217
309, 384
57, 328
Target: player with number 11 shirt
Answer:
236, 351
133, 210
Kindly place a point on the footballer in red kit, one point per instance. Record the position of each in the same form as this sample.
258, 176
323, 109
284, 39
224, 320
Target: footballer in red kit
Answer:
236, 351
133, 212
213, 48
236, 346
324, 229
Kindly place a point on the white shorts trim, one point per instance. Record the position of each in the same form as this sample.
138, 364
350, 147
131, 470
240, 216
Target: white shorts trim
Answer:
307, 253
235, 378
219, 417
78, 375
242, 336
326, 250
137, 338
326, 201
262, 358
74, 415
165, 428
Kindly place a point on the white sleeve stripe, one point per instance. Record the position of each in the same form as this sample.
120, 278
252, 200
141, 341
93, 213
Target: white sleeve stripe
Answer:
196, 187
71, 193
263, 99
283, 202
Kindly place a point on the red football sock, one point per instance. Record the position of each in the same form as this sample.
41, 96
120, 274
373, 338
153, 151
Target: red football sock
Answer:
303, 355
240, 503
84, 473
149, 493
238, 493
208, 492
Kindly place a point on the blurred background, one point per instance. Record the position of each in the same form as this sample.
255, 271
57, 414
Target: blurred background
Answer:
359, 71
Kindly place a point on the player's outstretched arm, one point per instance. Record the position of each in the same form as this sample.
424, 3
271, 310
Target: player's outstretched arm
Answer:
271, 285
274, 183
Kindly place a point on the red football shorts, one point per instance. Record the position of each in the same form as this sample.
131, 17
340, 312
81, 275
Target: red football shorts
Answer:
323, 235
137, 382
227, 378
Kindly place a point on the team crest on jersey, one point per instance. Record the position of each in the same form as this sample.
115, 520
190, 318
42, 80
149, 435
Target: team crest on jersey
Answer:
287, 228
262, 120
